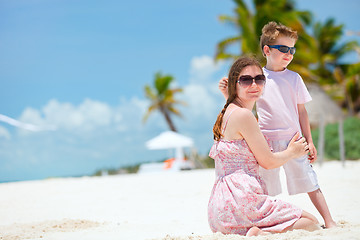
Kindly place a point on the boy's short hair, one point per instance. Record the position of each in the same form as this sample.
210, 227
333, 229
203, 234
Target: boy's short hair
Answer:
272, 31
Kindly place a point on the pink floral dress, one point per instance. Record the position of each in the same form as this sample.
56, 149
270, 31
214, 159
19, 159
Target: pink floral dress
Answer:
239, 199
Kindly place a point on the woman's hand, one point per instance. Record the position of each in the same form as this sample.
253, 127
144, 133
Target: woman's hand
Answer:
298, 146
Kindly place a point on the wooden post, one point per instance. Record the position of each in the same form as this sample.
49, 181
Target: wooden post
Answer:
341, 142
321, 140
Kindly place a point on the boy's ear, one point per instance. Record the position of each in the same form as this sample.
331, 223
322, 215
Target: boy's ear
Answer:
266, 50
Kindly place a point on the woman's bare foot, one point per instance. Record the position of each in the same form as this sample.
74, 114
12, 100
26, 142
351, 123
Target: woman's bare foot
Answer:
255, 231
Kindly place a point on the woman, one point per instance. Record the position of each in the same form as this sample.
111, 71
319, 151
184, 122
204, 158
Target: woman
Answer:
239, 203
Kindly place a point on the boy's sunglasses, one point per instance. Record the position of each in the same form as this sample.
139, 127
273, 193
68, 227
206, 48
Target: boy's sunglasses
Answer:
283, 48
247, 80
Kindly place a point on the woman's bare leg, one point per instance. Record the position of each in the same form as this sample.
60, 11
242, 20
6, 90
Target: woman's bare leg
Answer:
255, 231
307, 222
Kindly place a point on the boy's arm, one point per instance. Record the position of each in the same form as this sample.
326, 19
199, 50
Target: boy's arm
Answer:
306, 131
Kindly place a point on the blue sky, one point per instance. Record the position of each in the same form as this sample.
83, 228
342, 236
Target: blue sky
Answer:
81, 66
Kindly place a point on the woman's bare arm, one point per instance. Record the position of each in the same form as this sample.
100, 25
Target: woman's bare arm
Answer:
244, 122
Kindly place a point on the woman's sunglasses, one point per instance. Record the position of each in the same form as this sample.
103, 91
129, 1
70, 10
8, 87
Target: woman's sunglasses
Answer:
283, 48
247, 80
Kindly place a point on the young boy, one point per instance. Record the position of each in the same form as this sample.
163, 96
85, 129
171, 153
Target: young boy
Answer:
282, 113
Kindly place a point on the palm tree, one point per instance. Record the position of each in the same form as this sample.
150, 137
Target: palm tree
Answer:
317, 57
162, 98
327, 51
341, 81
249, 25
348, 77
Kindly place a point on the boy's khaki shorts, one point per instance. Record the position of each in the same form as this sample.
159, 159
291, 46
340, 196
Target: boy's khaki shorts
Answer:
300, 176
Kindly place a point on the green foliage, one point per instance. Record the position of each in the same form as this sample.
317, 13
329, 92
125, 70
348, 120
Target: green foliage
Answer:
115, 171
351, 136
248, 19
131, 169
319, 53
206, 161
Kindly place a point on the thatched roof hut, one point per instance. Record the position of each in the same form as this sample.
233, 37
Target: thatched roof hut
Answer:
322, 106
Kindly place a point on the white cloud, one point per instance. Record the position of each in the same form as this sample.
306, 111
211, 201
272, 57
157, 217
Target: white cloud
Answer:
131, 111
202, 93
87, 116
91, 115
24, 125
33, 116
94, 134
202, 68
201, 102
4, 133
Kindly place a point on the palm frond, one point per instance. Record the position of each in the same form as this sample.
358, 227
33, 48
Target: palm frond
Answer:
162, 98
149, 93
223, 45
151, 109
226, 19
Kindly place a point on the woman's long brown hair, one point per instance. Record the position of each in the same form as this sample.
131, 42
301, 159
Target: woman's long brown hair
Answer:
234, 75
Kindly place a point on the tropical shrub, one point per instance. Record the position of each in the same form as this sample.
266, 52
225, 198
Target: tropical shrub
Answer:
351, 135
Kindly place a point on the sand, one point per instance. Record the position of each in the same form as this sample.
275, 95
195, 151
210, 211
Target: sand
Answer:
166, 205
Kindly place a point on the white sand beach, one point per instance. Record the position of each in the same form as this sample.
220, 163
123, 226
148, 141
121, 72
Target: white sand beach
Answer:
155, 206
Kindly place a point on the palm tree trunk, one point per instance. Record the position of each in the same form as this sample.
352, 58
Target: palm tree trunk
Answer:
168, 120
350, 104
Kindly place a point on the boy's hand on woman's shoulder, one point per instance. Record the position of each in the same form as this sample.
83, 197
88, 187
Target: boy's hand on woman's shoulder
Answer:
223, 85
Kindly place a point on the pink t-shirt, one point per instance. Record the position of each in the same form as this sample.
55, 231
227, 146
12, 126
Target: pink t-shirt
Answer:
277, 108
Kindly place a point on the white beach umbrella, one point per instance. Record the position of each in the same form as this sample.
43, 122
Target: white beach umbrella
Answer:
169, 140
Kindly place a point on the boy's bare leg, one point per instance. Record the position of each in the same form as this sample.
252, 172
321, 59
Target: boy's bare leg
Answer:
319, 202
